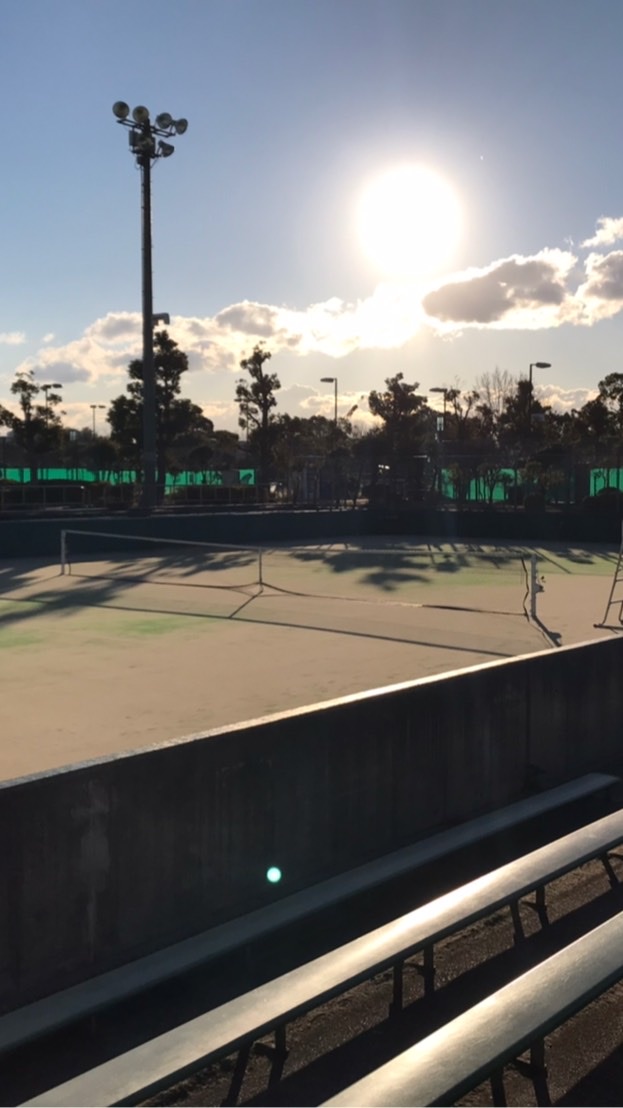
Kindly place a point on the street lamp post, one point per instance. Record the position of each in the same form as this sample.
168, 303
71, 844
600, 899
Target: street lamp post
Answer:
46, 389
332, 381
143, 145
534, 365
94, 408
445, 392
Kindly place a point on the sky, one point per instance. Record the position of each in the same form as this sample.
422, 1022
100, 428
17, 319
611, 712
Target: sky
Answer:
431, 187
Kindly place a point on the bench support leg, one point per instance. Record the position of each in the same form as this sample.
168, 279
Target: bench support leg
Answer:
280, 1053
237, 1076
397, 995
537, 1056
429, 970
497, 1088
517, 924
612, 877
541, 906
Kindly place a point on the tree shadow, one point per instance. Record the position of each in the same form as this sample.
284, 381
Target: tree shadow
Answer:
103, 598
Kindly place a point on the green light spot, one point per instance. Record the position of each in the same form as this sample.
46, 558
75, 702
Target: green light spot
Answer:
273, 874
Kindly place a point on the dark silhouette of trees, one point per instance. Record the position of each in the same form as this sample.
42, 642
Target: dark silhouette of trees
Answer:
37, 430
256, 400
175, 415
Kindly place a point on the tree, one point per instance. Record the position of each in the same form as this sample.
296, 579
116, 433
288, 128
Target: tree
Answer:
37, 430
174, 415
494, 389
408, 428
256, 399
611, 395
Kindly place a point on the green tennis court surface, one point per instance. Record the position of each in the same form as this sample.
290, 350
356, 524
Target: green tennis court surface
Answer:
140, 646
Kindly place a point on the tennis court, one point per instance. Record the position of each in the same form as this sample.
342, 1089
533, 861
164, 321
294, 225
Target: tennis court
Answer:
141, 642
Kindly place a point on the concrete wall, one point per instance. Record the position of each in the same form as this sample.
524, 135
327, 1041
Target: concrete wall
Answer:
36, 538
110, 859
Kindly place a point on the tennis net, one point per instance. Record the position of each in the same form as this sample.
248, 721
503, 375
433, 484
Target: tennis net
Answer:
155, 560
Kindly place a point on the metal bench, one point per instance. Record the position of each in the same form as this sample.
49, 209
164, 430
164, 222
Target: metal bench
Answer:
41, 1017
236, 1025
477, 1044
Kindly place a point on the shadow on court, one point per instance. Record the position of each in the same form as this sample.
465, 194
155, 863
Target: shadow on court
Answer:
110, 599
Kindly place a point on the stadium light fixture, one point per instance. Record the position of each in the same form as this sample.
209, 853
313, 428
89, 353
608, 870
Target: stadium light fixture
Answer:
143, 146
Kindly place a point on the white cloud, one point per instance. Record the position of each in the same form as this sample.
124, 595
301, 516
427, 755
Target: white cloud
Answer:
222, 413
601, 295
518, 292
48, 338
561, 399
12, 338
609, 230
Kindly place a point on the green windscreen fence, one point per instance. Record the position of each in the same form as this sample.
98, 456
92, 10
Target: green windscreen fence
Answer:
128, 477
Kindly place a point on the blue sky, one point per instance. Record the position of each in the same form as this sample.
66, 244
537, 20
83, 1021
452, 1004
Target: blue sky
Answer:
294, 108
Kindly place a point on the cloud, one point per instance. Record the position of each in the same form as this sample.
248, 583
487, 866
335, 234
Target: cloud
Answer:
601, 296
116, 327
12, 338
48, 338
561, 399
80, 415
547, 289
250, 319
609, 230
516, 292
221, 412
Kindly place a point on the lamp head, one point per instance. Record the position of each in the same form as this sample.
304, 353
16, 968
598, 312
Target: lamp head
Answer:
164, 121
166, 149
543, 365
181, 125
121, 109
140, 114
328, 380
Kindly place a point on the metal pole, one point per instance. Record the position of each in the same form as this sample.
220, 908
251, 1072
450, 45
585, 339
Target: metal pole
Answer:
149, 380
530, 399
335, 404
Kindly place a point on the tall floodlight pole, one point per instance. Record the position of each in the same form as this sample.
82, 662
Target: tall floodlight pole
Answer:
146, 151
332, 381
442, 437
94, 408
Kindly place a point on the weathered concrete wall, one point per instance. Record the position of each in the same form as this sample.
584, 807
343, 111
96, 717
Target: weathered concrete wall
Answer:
37, 538
110, 859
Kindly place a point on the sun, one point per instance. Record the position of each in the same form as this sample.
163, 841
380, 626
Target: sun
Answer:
409, 221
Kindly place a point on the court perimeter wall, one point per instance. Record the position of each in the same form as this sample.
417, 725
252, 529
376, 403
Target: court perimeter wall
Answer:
108, 860
36, 538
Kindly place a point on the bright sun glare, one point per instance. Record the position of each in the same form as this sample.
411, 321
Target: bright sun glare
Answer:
409, 221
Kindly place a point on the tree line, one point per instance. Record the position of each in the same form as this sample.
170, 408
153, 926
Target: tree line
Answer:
497, 435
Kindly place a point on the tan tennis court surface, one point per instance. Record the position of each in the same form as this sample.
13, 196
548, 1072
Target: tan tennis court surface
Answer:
128, 651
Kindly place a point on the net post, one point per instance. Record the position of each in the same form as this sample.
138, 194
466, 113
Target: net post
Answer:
260, 566
63, 552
